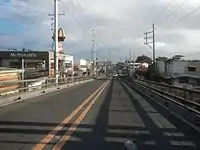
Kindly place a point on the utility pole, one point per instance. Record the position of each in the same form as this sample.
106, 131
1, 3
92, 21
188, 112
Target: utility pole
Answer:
93, 52
154, 55
52, 30
56, 40
151, 35
55, 14
130, 55
53, 26
130, 63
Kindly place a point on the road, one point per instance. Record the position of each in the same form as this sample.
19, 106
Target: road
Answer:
99, 115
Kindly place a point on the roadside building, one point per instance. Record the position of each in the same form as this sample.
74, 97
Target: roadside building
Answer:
69, 65
180, 73
32, 63
83, 66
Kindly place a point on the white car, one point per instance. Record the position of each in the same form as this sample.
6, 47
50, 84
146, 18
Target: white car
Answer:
115, 75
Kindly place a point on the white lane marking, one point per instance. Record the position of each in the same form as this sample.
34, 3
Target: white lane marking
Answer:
57, 137
130, 145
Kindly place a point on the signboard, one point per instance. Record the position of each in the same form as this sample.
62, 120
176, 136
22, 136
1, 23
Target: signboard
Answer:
60, 47
23, 55
60, 56
51, 55
68, 58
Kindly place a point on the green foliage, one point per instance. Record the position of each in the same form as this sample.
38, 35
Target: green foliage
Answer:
143, 59
161, 58
151, 73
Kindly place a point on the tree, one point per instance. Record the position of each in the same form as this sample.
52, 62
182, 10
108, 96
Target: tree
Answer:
143, 59
23, 49
177, 57
161, 58
151, 74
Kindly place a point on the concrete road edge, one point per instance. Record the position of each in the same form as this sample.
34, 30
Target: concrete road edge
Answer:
28, 95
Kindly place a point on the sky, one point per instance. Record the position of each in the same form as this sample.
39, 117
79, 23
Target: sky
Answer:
119, 26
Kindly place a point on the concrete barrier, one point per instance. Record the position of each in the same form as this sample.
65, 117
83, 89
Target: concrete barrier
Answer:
28, 95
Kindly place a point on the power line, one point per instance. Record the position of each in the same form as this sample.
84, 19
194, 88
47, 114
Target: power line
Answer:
188, 14
176, 9
72, 15
152, 41
77, 2
80, 24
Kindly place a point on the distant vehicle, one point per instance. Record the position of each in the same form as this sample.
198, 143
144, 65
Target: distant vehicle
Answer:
115, 75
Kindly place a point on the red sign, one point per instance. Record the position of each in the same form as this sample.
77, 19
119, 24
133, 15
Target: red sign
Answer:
60, 47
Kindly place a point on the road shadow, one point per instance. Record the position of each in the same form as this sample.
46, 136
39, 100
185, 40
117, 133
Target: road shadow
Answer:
94, 136
165, 138
95, 139
150, 137
181, 125
102, 79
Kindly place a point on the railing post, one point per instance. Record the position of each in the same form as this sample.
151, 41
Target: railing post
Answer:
65, 80
26, 86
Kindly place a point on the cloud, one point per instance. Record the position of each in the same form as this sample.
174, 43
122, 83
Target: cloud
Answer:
5, 39
119, 25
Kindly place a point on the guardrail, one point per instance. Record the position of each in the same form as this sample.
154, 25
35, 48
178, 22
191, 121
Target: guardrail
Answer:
187, 109
13, 87
35, 73
187, 94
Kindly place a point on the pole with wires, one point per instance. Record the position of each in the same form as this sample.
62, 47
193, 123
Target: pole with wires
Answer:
53, 26
56, 40
93, 52
147, 42
154, 53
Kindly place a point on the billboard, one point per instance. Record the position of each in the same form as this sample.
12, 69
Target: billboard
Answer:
24, 54
60, 47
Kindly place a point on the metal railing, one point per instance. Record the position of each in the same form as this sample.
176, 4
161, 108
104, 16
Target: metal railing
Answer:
13, 87
35, 73
187, 94
170, 97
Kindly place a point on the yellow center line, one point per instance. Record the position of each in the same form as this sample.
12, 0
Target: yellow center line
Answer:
58, 128
67, 135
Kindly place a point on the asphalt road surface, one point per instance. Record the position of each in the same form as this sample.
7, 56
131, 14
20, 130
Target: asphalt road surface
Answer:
99, 115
